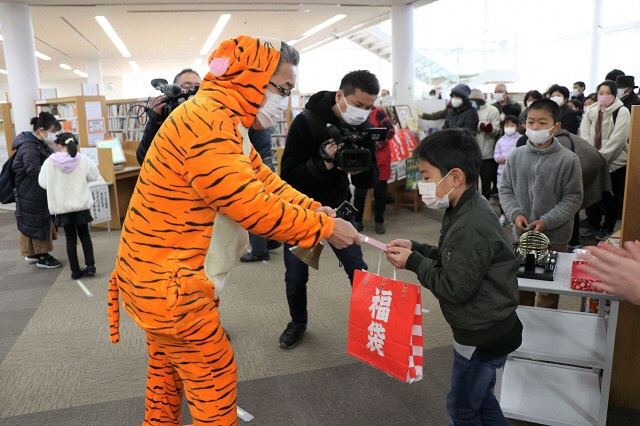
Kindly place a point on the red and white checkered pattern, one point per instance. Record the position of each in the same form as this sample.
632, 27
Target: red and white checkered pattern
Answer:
416, 359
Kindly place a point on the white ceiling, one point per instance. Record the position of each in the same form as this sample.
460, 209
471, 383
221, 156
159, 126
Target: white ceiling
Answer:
165, 35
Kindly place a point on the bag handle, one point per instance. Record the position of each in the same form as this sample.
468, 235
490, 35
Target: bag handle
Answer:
380, 262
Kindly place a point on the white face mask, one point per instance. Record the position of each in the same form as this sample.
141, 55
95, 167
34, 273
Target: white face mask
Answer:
51, 137
539, 137
574, 93
558, 99
428, 192
354, 116
499, 97
456, 102
272, 109
621, 92
509, 131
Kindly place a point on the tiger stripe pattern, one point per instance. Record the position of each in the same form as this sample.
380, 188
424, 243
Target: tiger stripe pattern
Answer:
195, 169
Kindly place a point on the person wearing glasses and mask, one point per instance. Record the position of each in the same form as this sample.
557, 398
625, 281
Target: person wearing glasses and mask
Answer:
201, 187
32, 212
316, 174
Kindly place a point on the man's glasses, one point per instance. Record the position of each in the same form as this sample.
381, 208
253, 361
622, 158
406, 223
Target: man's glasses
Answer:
284, 92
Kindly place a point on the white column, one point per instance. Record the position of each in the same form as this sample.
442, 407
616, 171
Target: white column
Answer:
596, 36
19, 54
94, 69
402, 54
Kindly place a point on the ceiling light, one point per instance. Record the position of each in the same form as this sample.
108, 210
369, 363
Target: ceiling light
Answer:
42, 56
217, 30
65, 67
80, 73
319, 27
135, 66
3, 71
115, 38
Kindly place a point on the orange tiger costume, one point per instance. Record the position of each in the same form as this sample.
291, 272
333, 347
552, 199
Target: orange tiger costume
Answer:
194, 170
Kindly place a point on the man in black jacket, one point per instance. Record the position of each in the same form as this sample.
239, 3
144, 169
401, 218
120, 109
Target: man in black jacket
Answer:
187, 79
626, 86
309, 166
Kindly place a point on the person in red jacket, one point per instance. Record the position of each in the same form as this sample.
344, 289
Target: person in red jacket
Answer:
378, 118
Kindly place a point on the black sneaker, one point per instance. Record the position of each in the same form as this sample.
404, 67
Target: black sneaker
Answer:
90, 270
76, 275
380, 228
48, 261
31, 259
250, 257
292, 335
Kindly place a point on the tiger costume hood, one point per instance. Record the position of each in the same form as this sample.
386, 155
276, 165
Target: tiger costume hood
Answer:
241, 68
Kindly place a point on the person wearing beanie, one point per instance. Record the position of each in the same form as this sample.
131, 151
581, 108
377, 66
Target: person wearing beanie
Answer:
461, 115
486, 133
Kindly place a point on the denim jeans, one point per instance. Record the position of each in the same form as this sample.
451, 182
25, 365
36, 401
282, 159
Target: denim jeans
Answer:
470, 400
297, 275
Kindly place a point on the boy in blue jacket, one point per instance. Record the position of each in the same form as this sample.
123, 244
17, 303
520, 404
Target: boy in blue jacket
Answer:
472, 273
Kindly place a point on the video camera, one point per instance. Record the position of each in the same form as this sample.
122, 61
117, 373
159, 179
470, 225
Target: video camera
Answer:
174, 93
351, 156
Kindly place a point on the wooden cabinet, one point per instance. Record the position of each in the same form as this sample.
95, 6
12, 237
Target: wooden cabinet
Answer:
7, 132
123, 182
561, 374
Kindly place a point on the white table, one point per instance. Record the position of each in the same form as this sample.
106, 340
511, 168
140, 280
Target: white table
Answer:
554, 377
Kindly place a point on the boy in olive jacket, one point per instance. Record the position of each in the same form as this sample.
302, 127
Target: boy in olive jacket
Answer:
472, 273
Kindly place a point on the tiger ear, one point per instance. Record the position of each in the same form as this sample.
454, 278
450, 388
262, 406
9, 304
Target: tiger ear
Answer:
219, 66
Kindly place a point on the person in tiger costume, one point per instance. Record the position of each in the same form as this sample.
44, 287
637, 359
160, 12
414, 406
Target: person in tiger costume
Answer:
201, 186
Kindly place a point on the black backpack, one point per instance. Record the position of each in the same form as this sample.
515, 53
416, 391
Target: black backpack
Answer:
7, 181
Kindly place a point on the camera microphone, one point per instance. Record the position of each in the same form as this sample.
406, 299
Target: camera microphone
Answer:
334, 133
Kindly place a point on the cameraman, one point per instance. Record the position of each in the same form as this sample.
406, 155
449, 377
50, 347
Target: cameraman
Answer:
187, 79
304, 168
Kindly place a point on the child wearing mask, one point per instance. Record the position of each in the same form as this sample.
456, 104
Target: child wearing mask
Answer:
472, 273
542, 186
66, 176
511, 133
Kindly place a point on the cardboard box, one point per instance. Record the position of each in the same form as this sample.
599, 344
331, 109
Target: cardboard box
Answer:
580, 280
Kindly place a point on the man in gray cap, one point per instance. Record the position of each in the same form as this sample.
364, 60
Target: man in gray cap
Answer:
461, 115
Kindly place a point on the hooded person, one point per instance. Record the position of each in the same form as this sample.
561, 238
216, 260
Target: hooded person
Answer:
201, 186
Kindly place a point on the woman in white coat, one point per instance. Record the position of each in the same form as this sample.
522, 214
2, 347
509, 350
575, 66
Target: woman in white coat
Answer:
606, 126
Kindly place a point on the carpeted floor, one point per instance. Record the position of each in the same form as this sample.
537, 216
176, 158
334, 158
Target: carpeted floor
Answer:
57, 366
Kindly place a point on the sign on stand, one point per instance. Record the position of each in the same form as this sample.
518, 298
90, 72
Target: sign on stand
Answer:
101, 210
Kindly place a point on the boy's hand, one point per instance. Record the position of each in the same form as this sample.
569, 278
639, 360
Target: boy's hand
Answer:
539, 224
406, 244
398, 256
521, 223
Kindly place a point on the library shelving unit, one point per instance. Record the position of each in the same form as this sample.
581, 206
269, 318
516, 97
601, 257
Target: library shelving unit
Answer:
84, 116
561, 374
7, 132
121, 125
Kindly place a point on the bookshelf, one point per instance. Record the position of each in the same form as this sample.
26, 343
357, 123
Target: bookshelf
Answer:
121, 125
7, 132
279, 130
84, 116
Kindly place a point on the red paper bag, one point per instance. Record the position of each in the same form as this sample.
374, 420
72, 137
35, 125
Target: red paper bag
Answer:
385, 325
580, 280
